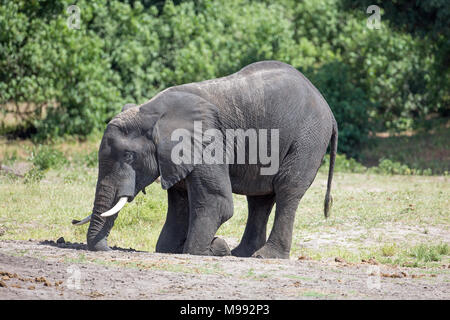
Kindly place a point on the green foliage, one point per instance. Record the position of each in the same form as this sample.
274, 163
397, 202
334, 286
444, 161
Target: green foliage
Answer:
62, 71
349, 104
428, 253
401, 64
74, 80
343, 164
34, 175
385, 167
45, 157
390, 167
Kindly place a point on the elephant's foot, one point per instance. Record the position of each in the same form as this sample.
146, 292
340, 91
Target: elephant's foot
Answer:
270, 252
219, 247
101, 245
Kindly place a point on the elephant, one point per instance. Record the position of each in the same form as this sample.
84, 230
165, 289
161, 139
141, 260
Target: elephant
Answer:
138, 147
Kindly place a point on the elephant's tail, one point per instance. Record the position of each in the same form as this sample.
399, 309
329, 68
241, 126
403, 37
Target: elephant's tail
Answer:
333, 151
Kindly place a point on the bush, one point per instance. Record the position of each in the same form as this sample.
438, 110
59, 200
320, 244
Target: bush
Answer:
63, 72
343, 164
389, 167
348, 102
73, 81
45, 157
34, 175
385, 167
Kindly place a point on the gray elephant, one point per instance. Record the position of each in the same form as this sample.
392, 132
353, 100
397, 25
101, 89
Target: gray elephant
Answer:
138, 147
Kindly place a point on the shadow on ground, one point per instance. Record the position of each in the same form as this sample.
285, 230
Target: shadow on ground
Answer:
61, 243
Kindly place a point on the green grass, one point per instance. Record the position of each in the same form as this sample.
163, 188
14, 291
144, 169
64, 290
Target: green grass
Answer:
427, 253
396, 219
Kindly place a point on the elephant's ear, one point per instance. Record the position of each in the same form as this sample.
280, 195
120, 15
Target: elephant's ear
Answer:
174, 132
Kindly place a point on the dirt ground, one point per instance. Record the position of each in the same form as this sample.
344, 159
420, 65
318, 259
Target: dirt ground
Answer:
51, 270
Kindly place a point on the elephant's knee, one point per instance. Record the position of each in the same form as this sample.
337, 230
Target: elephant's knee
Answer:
225, 207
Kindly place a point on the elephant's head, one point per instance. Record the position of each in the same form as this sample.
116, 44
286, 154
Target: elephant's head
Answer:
135, 150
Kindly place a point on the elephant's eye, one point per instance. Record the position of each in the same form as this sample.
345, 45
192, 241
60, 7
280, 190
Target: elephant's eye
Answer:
128, 156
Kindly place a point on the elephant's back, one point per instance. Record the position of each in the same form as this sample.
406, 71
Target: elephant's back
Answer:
262, 93
269, 95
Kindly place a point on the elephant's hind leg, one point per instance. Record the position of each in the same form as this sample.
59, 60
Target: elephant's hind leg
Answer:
259, 208
292, 181
278, 245
174, 232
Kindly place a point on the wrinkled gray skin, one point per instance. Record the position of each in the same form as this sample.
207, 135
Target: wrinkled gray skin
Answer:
136, 147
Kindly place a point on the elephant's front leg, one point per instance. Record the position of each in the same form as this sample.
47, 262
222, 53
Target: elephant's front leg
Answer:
210, 205
174, 232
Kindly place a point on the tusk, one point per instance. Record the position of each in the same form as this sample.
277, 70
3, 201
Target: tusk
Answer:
79, 223
116, 208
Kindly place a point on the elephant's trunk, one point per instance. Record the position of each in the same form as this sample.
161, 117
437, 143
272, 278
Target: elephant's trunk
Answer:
111, 186
100, 227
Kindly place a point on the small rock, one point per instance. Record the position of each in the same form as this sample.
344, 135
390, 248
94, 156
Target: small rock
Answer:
60, 240
394, 275
340, 260
370, 261
3, 285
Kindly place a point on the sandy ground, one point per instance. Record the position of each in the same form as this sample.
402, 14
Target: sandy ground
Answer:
50, 270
